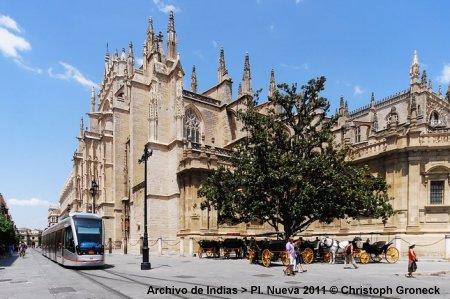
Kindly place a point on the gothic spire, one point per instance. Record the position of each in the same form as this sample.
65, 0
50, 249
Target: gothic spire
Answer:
222, 71
423, 83
193, 80
171, 38
414, 69
150, 32
81, 127
130, 59
272, 85
92, 99
246, 77
107, 59
372, 100
447, 94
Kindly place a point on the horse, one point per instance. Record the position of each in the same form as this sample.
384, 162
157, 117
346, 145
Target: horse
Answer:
333, 246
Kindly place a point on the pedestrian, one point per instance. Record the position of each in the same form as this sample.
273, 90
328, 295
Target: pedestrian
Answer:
412, 261
290, 252
299, 258
348, 254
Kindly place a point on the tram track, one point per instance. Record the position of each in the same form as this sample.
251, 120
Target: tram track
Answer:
183, 282
125, 277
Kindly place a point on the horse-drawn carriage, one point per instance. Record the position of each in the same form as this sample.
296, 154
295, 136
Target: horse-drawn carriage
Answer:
310, 251
380, 248
231, 245
267, 250
214, 248
361, 251
209, 247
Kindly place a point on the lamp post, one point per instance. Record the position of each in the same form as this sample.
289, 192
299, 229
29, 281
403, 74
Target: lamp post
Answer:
93, 191
145, 265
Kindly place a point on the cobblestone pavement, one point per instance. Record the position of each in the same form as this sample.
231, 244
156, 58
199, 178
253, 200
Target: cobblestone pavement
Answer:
188, 277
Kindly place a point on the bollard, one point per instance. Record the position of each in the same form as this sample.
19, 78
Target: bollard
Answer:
160, 245
110, 246
447, 247
191, 246
398, 244
181, 246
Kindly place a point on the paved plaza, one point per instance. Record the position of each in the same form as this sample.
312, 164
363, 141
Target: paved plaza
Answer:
173, 276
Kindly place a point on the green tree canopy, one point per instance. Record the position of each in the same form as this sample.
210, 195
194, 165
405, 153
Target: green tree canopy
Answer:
7, 232
288, 172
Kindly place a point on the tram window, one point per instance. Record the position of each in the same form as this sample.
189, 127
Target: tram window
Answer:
89, 233
69, 241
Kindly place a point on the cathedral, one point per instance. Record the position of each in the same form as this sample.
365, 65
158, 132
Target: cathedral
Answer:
403, 138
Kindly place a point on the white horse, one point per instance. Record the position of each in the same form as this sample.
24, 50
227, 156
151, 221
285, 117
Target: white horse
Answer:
333, 246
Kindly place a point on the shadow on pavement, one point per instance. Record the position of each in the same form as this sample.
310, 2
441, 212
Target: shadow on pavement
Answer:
8, 260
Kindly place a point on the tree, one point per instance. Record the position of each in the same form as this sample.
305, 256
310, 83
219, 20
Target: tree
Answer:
7, 232
288, 172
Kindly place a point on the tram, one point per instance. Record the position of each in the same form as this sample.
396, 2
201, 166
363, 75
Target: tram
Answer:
77, 240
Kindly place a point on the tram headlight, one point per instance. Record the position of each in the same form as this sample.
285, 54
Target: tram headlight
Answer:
79, 252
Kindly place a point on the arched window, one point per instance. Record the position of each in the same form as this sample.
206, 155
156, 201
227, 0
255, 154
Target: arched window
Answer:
358, 134
191, 126
434, 119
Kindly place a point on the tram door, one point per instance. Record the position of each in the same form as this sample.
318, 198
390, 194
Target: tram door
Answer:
58, 249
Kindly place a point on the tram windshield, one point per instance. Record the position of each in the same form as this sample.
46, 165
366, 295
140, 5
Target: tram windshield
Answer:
89, 233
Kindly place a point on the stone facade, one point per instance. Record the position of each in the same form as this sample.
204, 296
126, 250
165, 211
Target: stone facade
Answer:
31, 237
404, 138
188, 132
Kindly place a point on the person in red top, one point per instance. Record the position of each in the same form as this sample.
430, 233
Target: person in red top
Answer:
412, 259
348, 255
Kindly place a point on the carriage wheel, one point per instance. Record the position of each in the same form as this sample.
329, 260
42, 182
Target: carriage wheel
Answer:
200, 252
326, 257
392, 255
266, 257
308, 255
376, 257
364, 258
210, 252
284, 258
251, 256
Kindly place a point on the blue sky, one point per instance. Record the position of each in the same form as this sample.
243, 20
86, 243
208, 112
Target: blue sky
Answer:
52, 51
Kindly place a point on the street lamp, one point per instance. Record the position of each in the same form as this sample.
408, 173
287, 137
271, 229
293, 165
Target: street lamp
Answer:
93, 191
145, 265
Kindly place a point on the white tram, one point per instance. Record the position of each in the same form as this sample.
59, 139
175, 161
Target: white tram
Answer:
77, 240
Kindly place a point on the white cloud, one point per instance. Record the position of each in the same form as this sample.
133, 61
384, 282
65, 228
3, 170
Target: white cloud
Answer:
138, 61
11, 44
165, 8
303, 66
72, 73
6, 21
444, 78
215, 44
33, 202
357, 90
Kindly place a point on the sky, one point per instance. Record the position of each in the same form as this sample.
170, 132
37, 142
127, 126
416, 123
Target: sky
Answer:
52, 52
